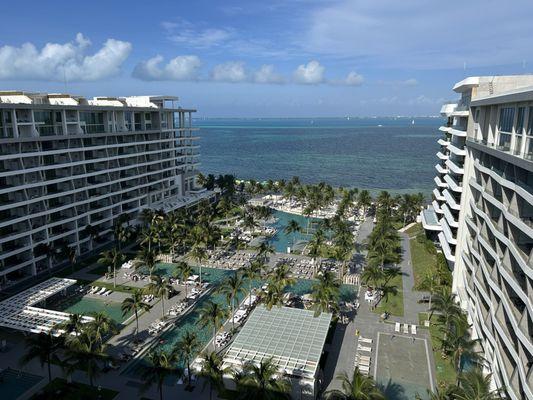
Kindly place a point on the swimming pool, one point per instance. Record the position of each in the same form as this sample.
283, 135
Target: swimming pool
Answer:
281, 240
88, 305
14, 384
189, 322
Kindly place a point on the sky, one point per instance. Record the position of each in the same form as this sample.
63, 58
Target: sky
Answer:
275, 58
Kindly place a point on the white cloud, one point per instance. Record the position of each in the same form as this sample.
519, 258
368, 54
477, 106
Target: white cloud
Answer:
409, 82
232, 71
266, 74
354, 79
411, 34
57, 61
310, 73
181, 68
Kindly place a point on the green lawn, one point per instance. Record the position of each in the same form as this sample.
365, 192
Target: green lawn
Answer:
60, 389
423, 261
394, 304
415, 230
446, 373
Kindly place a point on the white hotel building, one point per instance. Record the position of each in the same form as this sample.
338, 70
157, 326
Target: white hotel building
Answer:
491, 247
67, 162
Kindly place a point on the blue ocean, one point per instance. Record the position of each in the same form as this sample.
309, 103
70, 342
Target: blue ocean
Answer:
395, 154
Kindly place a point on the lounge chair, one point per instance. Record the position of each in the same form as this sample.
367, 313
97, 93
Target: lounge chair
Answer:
405, 328
365, 363
365, 340
364, 348
364, 368
397, 327
413, 329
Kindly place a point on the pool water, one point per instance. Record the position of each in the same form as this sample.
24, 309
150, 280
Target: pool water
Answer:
189, 322
281, 240
88, 305
14, 384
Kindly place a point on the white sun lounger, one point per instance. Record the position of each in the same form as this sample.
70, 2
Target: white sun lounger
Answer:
364, 348
397, 327
365, 363
364, 368
405, 328
365, 340
361, 357
413, 329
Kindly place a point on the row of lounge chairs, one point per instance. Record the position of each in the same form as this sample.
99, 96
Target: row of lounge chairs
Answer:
222, 339
157, 327
398, 328
101, 291
363, 355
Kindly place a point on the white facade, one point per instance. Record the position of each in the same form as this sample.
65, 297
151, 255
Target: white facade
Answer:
67, 162
493, 258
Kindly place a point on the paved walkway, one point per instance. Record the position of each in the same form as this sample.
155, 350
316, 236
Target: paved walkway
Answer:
410, 297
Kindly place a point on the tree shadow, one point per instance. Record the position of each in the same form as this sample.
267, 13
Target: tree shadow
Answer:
393, 391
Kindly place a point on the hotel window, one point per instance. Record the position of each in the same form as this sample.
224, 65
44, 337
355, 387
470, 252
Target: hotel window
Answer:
519, 129
506, 119
529, 130
505, 128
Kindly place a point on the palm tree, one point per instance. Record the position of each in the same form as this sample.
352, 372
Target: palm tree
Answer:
459, 344
70, 254
146, 258
282, 275
364, 200
183, 271
198, 253
231, 287
92, 232
251, 273
42, 347
74, 324
212, 371
474, 385
100, 326
160, 365
187, 347
135, 304
444, 303
262, 381
274, 295
373, 275
325, 293
264, 250
159, 287
114, 259
292, 227
359, 387
44, 249
212, 314
83, 352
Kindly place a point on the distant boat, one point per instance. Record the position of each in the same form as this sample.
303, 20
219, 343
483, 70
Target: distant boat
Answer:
380, 125
413, 122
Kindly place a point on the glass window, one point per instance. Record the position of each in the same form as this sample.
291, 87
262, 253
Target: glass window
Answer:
506, 119
520, 120
530, 122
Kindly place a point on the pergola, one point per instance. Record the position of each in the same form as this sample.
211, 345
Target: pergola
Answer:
18, 312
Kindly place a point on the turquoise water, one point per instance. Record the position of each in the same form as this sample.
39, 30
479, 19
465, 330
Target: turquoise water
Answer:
281, 240
189, 322
14, 383
87, 305
396, 156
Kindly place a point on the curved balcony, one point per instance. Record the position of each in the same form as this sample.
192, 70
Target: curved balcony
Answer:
445, 128
436, 207
449, 217
447, 232
450, 200
440, 183
452, 184
440, 169
438, 195
442, 156
446, 249
443, 142
457, 132
456, 150
454, 167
